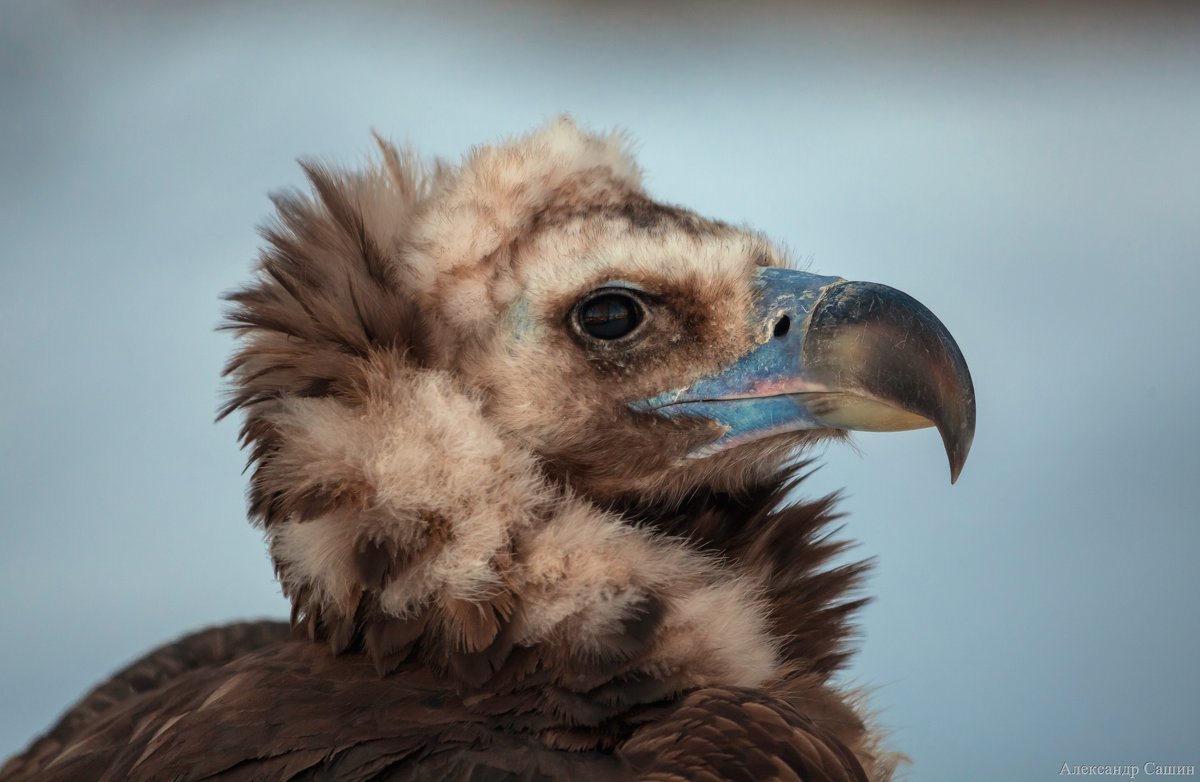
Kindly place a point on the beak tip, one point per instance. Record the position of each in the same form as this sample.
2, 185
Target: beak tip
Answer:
886, 345
957, 448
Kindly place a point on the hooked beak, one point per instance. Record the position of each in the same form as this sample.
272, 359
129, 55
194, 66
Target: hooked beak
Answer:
834, 354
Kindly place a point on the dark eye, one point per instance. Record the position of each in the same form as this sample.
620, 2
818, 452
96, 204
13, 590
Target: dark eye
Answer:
609, 315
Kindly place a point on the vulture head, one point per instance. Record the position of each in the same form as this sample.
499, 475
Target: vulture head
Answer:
522, 439
516, 404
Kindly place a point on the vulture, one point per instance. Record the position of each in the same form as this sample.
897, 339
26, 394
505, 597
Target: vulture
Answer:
524, 444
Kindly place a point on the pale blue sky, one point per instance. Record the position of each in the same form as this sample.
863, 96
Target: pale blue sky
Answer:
1035, 180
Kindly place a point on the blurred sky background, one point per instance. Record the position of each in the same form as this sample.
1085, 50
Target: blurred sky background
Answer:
1032, 176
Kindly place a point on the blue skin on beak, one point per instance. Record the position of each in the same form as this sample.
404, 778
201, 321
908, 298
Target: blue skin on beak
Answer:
833, 354
757, 395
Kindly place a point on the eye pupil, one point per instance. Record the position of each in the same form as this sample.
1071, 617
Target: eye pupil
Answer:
609, 316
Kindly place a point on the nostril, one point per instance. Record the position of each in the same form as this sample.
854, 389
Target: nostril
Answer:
781, 328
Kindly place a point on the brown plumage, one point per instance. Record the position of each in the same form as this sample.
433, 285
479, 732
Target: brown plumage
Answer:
498, 568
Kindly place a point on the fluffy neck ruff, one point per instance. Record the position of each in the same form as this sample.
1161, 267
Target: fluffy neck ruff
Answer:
404, 525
